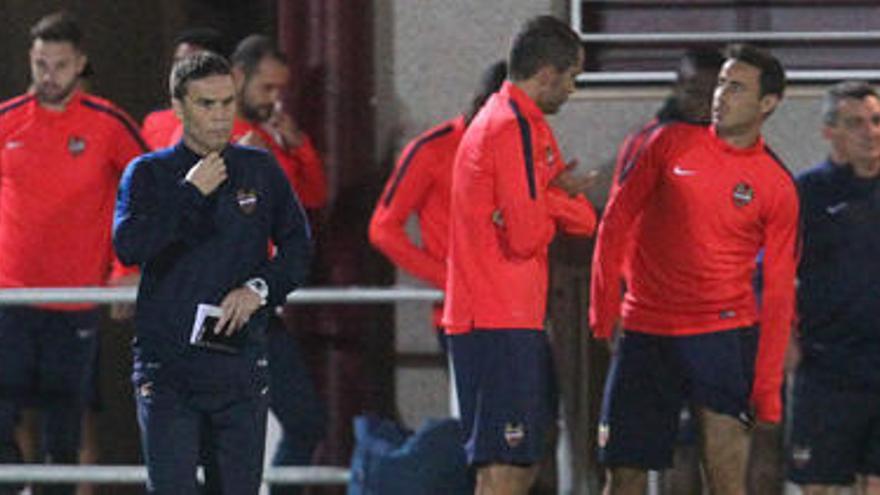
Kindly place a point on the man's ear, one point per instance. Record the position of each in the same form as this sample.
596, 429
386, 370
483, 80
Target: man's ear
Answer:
545, 75
177, 106
81, 61
768, 103
238, 77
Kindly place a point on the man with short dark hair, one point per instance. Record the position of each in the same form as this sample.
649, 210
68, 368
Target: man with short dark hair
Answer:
506, 208
198, 218
691, 213
261, 75
162, 127
835, 419
61, 154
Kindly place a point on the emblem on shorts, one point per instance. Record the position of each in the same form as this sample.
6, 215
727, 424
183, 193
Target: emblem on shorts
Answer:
247, 200
550, 156
76, 145
743, 194
800, 456
604, 433
514, 433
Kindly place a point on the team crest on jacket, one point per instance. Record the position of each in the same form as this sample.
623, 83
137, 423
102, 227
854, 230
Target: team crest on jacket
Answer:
743, 194
514, 433
76, 145
247, 200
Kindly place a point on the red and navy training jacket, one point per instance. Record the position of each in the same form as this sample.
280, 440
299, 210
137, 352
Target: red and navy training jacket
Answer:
706, 209
59, 172
503, 215
420, 186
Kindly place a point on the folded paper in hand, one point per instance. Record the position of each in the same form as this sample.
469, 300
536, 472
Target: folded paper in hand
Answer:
203, 335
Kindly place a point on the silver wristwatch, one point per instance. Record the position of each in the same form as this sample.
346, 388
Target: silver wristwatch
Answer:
260, 288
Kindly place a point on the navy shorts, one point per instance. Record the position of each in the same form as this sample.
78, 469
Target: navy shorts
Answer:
652, 377
506, 394
835, 429
45, 361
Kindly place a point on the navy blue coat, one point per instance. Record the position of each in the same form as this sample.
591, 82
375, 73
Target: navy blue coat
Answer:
195, 249
839, 273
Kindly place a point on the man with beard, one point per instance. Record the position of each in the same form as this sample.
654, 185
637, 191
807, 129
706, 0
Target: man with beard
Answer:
261, 75
61, 154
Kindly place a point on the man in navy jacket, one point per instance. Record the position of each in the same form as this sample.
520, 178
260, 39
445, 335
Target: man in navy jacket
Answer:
835, 430
199, 218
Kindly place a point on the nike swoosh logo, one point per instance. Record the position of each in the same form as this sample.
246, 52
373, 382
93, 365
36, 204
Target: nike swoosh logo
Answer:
10, 145
835, 209
678, 170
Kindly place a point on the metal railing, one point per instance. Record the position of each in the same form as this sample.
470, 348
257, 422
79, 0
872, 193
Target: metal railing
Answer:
667, 77
717, 37
312, 295
306, 475
729, 37
134, 475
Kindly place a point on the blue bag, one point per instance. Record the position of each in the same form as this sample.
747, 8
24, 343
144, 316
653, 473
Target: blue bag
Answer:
389, 460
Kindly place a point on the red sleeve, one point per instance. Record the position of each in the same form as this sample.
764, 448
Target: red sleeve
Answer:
777, 306
153, 131
635, 186
128, 142
118, 270
404, 193
128, 145
574, 216
305, 170
520, 195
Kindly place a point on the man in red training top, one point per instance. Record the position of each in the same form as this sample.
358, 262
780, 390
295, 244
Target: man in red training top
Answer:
708, 199
505, 211
161, 128
421, 185
261, 75
691, 102
62, 152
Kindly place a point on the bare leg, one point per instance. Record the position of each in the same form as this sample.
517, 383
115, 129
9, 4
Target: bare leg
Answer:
825, 490
684, 477
88, 451
765, 466
869, 485
626, 481
27, 434
505, 479
724, 442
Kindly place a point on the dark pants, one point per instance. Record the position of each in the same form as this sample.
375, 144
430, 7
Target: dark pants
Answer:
45, 361
294, 402
175, 423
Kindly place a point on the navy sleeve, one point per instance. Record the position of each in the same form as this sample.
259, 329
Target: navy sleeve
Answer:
288, 269
147, 219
